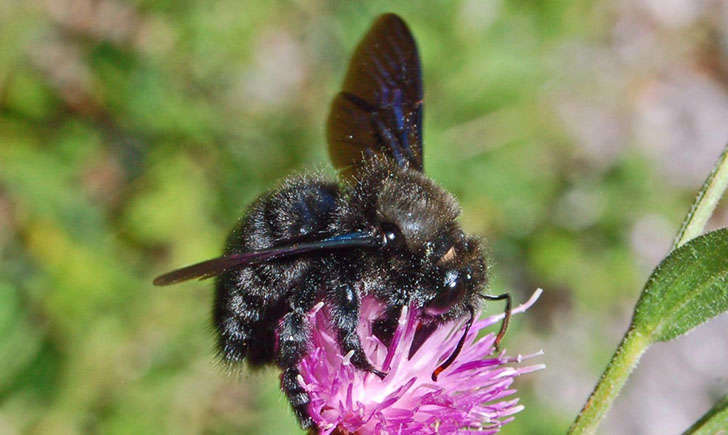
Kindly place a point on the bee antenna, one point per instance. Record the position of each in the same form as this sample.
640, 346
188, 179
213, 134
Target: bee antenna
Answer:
458, 348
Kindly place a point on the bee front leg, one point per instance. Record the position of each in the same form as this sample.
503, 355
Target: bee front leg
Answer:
345, 315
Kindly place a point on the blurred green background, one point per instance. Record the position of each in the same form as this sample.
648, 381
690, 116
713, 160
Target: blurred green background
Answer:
134, 133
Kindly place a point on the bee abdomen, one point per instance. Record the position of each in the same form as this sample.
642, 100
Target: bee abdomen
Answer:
251, 300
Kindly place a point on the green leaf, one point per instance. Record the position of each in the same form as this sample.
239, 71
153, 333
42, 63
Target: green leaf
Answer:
705, 201
689, 287
713, 422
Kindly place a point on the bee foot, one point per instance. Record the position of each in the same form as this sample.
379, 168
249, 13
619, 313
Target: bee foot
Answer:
378, 373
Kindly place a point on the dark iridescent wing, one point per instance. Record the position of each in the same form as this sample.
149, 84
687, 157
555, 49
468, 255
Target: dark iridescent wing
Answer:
216, 266
379, 110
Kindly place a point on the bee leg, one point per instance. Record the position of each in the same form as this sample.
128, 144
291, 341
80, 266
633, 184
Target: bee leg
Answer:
293, 334
506, 317
345, 314
297, 396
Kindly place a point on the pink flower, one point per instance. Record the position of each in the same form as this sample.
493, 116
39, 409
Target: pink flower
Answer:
470, 395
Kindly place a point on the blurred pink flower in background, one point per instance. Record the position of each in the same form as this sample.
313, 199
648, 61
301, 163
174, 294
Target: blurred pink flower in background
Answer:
471, 395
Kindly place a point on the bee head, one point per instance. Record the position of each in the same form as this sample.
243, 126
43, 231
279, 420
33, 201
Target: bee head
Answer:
459, 275
451, 268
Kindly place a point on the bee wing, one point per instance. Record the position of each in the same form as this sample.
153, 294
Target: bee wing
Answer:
379, 110
208, 269
216, 266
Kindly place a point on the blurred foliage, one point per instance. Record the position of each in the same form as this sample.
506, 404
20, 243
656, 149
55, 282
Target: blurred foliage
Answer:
133, 134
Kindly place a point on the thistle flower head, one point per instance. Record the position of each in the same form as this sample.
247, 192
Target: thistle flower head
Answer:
471, 395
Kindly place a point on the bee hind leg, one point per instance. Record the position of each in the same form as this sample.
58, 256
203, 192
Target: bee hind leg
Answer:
293, 336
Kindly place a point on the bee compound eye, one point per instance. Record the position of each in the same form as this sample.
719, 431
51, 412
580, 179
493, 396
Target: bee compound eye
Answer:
451, 280
448, 295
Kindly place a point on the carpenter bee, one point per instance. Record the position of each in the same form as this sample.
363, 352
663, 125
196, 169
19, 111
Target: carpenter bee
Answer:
385, 229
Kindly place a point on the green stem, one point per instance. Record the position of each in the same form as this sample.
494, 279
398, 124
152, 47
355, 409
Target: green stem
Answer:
628, 353
713, 421
705, 202
634, 343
